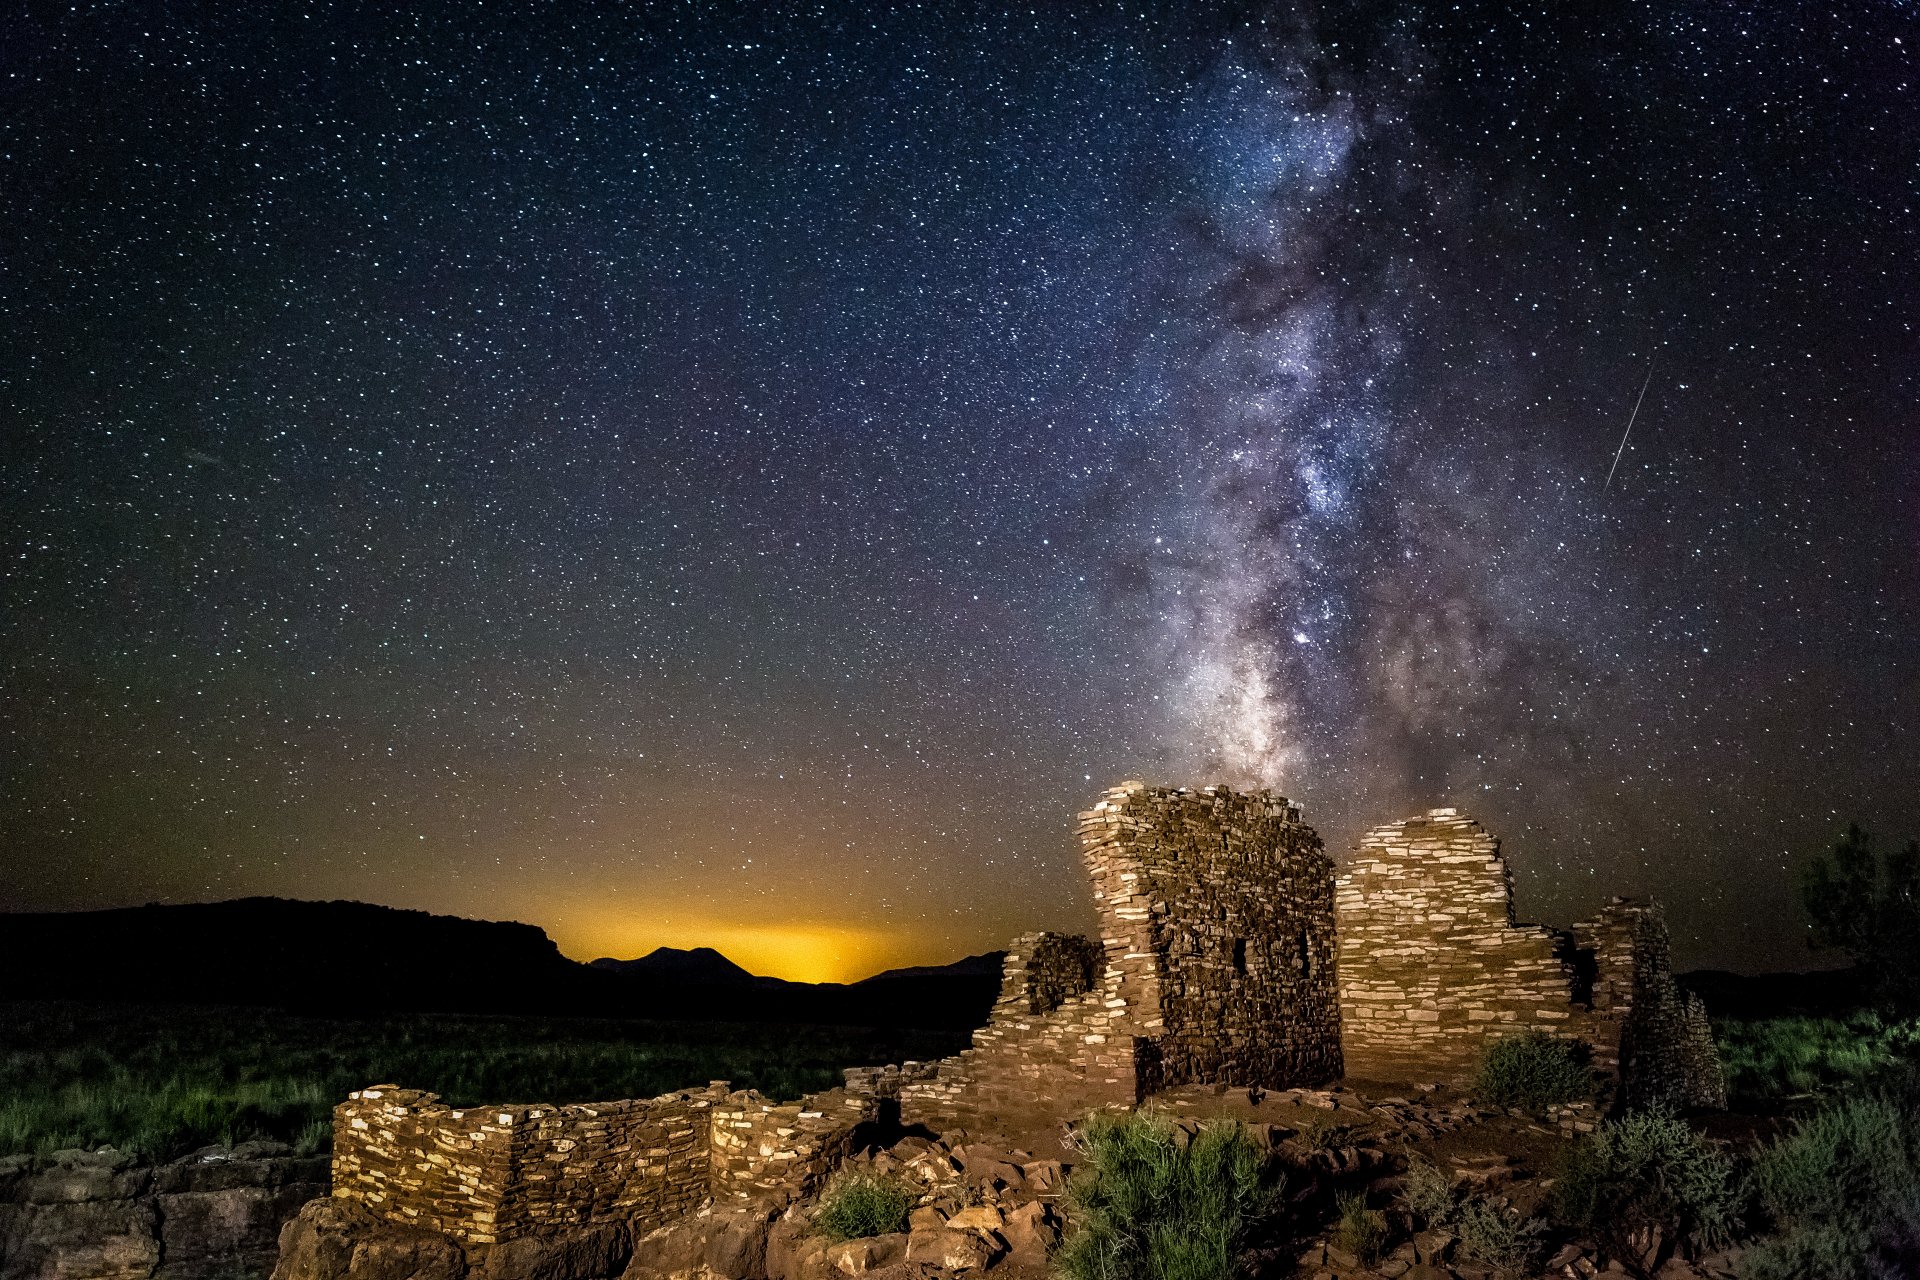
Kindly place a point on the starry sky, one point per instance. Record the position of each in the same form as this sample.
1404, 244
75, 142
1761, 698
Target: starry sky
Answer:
746, 474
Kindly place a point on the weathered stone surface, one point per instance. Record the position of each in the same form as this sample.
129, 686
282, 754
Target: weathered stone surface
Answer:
794, 1252
75, 1177
594, 1251
79, 1240
726, 1241
334, 1239
1031, 1230
870, 1253
205, 1234
953, 1250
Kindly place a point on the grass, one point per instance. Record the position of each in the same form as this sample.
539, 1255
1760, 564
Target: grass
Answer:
1427, 1192
1533, 1070
1842, 1193
1146, 1205
1499, 1236
856, 1205
161, 1081
1774, 1060
1362, 1232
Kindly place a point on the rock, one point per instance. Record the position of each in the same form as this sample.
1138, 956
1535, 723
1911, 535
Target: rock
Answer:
870, 1253
592, 1251
1044, 1177
1393, 1268
795, 1253
980, 1217
337, 1240
75, 1177
1031, 1231
1433, 1246
206, 1234
1422, 1271
1341, 1259
926, 1218
953, 1250
728, 1241
97, 1240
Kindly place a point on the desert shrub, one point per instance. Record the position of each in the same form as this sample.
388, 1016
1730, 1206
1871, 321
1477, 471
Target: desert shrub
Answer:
1362, 1231
1498, 1235
1772, 1059
1868, 906
1147, 1206
1643, 1172
1842, 1193
1533, 1069
855, 1205
1428, 1194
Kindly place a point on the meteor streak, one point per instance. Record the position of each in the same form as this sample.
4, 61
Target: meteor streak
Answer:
1629, 431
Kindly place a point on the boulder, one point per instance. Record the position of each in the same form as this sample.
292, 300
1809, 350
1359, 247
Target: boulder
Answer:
1031, 1231
335, 1239
794, 1252
727, 1241
869, 1253
952, 1250
979, 1217
592, 1251
74, 1177
204, 1234
98, 1240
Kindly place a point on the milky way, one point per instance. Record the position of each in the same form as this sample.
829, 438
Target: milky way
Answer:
748, 474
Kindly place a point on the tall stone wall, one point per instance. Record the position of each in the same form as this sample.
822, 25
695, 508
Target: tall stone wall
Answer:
1215, 963
1433, 967
1217, 909
1432, 964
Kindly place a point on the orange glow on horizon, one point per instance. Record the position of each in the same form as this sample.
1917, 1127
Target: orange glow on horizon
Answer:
800, 951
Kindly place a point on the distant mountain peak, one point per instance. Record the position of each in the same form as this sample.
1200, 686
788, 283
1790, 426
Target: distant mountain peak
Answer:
700, 964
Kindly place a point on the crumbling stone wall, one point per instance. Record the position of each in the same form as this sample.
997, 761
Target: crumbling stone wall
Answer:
1215, 964
1060, 1041
489, 1175
1217, 910
1433, 966
1654, 1035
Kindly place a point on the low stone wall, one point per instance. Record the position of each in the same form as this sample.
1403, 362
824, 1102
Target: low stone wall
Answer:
761, 1148
485, 1175
84, 1215
1053, 1047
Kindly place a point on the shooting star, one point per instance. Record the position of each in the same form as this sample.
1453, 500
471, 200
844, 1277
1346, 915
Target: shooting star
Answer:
1629, 431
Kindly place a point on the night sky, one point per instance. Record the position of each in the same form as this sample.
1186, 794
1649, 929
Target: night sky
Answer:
746, 475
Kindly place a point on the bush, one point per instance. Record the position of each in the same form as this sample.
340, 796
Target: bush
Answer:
1147, 1206
1868, 906
1362, 1231
1427, 1192
1533, 1070
1843, 1194
855, 1205
1644, 1172
1499, 1236
1769, 1060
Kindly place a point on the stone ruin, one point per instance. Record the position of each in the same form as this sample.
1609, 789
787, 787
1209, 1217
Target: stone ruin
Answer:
1231, 953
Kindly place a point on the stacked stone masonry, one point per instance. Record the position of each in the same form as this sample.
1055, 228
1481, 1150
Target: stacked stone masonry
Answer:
1215, 963
1230, 954
1433, 967
487, 1175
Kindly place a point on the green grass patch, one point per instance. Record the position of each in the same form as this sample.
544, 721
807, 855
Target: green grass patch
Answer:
1149, 1203
1774, 1060
1362, 1232
162, 1081
856, 1205
1532, 1070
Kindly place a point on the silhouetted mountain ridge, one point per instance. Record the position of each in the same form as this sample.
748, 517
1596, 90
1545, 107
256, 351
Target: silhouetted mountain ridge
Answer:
340, 957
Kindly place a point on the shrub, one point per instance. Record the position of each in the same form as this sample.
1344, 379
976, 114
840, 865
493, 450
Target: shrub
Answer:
1648, 1171
1427, 1191
863, 1204
1362, 1231
1868, 906
1843, 1194
1146, 1206
1499, 1236
1772, 1059
1532, 1070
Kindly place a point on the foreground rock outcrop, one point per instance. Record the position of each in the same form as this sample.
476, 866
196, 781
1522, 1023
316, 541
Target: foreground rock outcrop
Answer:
82, 1215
